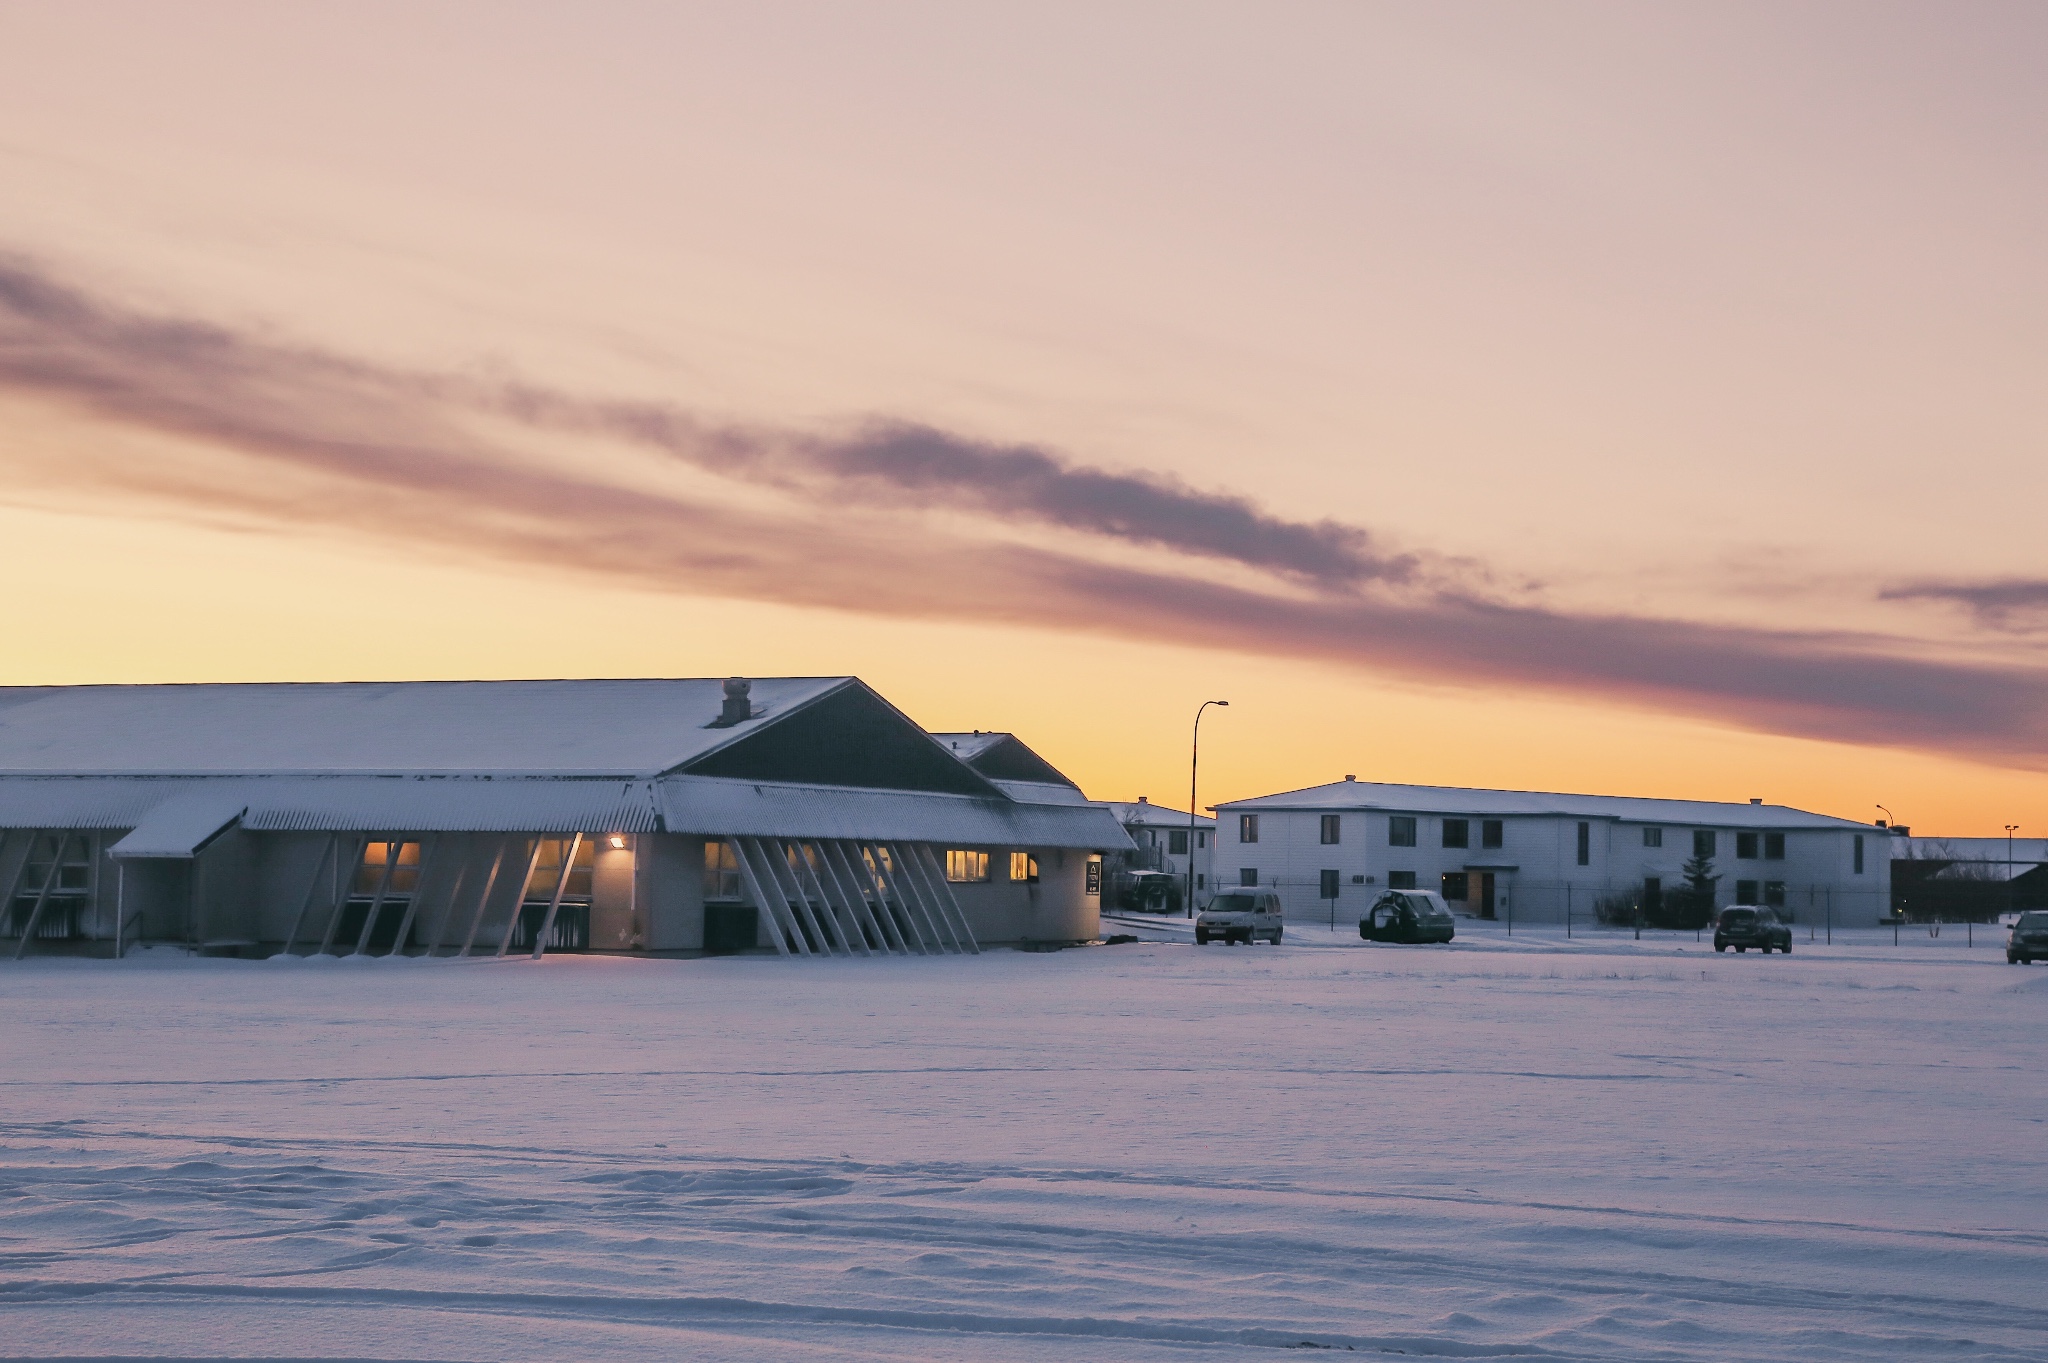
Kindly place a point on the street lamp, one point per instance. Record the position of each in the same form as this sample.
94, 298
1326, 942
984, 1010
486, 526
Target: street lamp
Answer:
1194, 765
2010, 829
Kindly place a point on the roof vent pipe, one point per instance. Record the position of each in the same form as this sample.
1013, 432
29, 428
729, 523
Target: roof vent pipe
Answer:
738, 706
1754, 800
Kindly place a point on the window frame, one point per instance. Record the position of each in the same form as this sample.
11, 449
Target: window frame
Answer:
963, 872
1653, 837
1020, 859
1401, 830
1247, 828
1492, 834
1332, 829
1463, 828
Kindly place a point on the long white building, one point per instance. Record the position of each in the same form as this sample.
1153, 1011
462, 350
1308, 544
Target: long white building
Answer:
802, 816
1329, 850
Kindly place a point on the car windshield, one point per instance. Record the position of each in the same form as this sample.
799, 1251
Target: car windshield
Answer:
1233, 903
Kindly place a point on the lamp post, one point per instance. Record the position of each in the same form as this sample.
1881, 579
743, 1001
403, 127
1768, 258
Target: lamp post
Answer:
2010, 829
1194, 766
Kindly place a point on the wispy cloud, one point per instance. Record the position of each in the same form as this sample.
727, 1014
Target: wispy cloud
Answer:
297, 435
2012, 605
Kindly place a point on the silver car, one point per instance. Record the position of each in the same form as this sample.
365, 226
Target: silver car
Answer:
1240, 916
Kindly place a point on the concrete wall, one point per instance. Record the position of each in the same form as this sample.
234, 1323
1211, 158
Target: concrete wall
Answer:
1055, 909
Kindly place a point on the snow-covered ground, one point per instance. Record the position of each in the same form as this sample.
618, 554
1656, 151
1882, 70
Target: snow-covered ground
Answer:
1593, 1148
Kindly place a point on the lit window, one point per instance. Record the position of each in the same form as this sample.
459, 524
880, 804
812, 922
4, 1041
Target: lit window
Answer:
547, 871
721, 871
1457, 833
966, 867
1401, 831
1024, 867
403, 860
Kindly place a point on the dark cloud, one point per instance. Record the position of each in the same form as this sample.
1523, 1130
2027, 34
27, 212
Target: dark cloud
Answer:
2015, 605
296, 436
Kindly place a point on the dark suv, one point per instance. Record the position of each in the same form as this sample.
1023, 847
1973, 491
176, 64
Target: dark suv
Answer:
1743, 926
2029, 940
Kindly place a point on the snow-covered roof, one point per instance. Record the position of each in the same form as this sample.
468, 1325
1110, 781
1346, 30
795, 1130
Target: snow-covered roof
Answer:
772, 809
971, 746
2024, 852
1403, 799
563, 728
1145, 814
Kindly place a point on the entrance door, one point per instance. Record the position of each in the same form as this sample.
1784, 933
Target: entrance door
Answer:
1486, 900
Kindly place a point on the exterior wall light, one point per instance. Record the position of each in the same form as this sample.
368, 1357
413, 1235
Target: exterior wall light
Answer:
618, 841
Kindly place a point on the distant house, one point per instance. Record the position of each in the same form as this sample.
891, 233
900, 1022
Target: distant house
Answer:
1957, 879
797, 815
1154, 874
1542, 857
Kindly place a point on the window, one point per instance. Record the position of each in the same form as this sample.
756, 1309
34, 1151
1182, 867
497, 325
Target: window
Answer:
403, 861
721, 871
1456, 885
1401, 831
1400, 880
1177, 842
1745, 848
1653, 837
1745, 892
1024, 867
1457, 833
1859, 854
1201, 882
1247, 828
1201, 837
1774, 847
1653, 894
547, 870
1489, 833
1248, 875
1703, 842
1330, 884
966, 867
1585, 844
1774, 893
1332, 826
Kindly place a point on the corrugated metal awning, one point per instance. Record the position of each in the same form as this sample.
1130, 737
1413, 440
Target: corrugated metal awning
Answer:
183, 824
83, 801
450, 804
766, 809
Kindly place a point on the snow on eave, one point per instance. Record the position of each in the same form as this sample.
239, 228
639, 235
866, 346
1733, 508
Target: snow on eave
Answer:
1386, 797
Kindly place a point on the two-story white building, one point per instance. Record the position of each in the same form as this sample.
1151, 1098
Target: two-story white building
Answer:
1165, 842
1540, 857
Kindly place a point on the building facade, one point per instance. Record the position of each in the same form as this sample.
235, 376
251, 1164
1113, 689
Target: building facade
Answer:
1166, 846
800, 816
1329, 850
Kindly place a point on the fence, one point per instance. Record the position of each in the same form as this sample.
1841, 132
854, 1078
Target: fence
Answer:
1582, 903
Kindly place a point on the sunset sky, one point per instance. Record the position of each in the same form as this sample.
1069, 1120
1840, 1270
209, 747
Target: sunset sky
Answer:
1616, 398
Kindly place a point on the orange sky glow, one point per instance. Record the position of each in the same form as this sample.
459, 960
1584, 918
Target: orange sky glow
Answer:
1594, 397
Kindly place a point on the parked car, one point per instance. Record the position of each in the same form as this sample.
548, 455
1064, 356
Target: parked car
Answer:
1240, 916
1408, 917
2029, 940
1743, 926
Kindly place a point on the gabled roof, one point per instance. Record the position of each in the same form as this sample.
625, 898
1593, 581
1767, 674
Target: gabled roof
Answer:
1145, 814
1003, 757
471, 728
1460, 800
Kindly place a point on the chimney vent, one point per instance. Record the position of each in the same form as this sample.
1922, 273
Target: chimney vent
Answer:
1754, 800
738, 702
1349, 777
1144, 799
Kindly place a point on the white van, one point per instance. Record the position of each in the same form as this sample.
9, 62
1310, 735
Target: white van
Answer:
1240, 916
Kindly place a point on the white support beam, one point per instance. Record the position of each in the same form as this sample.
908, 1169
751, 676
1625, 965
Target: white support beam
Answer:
35, 915
519, 900
483, 900
848, 917
862, 897
755, 856
420, 887
782, 866
913, 876
936, 874
547, 924
391, 851
332, 848
464, 859
18, 847
758, 895
913, 908
343, 880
